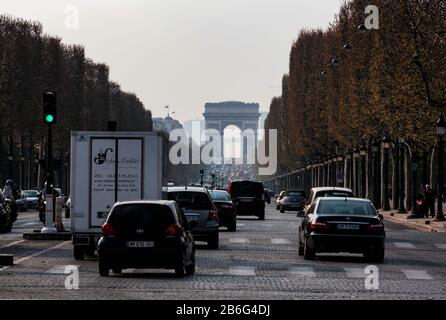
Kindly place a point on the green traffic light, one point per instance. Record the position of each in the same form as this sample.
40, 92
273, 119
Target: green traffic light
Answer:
49, 118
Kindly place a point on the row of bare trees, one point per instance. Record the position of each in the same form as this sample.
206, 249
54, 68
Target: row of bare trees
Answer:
345, 85
32, 62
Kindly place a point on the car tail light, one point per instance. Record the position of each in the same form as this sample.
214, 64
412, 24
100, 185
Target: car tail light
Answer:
108, 230
213, 214
318, 226
375, 227
173, 230
230, 188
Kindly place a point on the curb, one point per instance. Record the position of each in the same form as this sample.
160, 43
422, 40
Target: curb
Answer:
37, 235
417, 224
6, 259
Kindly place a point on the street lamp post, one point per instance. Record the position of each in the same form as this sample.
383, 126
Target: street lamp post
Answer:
376, 173
441, 131
386, 147
356, 155
340, 170
22, 175
363, 153
10, 158
401, 208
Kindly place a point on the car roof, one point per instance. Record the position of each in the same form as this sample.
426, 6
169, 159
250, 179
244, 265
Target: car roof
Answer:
159, 202
331, 189
342, 198
187, 189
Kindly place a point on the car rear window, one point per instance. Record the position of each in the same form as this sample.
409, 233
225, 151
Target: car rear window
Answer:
342, 207
154, 218
299, 194
246, 188
219, 196
334, 193
191, 200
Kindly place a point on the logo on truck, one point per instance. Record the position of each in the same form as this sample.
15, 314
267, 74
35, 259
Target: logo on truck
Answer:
102, 156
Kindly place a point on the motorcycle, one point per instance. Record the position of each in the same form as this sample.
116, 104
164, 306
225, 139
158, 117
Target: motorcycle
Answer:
7, 216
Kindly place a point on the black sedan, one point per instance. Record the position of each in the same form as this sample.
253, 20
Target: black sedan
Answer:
342, 225
147, 234
227, 214
292, 203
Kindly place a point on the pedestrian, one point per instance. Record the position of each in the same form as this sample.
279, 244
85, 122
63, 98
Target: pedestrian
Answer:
429, 199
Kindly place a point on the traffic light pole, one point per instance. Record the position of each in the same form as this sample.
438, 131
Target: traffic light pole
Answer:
50, 209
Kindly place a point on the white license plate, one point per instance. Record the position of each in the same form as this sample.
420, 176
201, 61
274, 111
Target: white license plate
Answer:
348, 226
140, 244
192, 218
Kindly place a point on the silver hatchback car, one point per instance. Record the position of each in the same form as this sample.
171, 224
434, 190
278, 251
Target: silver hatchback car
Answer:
197, 205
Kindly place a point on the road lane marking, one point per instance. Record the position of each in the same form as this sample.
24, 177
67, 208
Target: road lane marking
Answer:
26, 224
417, 275
11, 244
129, 270
404, 245
59, 269
240, 224
355, 273
304, 272
239, 240
242, 271
441, 245
280, 241
37, 254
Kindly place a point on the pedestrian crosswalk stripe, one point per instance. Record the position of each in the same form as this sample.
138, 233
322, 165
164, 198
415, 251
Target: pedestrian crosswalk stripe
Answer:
239, 240
441, 245
355, 272
11, 244
129, 270
305, 272
417, 275
242, 271
58, 269
404, 245
240, 224
280, 241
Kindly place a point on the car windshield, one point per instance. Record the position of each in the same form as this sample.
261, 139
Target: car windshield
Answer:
191, 199
31, 193
345, 207
219, 196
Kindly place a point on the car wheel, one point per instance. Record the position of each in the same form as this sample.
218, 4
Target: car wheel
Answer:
232, 226
190, 269
180, 269
301, 248
79, 253
277, 207
213, 241
309, 254
375, 255
262, 214
282, 210
104, 271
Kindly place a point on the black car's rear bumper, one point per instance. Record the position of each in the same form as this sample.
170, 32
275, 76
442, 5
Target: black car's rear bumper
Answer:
114, 253
292, 207
345, 243
254, 208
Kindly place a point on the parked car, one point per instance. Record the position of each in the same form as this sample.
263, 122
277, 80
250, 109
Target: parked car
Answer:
267, 195
32, 199
279, 198
334, 224
198, 206
21, 203
147, 234
227, 214
318, 192
248, 198
292, 200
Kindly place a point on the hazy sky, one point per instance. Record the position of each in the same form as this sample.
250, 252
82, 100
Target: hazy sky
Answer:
185, 53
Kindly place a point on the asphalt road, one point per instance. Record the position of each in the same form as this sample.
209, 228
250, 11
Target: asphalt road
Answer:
259, 261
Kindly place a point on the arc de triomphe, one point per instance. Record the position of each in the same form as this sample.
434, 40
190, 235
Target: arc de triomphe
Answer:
242, 115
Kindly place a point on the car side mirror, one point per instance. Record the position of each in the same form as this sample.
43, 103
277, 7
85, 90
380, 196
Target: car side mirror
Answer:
193, 224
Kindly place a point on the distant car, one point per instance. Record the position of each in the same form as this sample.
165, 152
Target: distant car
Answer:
267, 195
292, 203
334, 224
227, 214
248, 198
198, 206
21, 203
318, 192
32, 198
146, 234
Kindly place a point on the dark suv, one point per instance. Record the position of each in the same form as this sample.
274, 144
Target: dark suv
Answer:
248, 197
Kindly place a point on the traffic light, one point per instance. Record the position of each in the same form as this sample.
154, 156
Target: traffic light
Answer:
201, 172
49, 107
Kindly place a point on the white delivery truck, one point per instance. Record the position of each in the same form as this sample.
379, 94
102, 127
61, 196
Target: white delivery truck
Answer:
108, 167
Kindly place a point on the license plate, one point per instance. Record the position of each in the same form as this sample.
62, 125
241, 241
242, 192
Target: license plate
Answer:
192, 218
348, 226
140, 244
246, 200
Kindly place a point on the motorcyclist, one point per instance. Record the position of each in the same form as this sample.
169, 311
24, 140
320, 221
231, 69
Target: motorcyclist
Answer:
12, 192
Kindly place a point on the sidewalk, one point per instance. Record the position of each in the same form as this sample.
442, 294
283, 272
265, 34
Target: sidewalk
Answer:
423, 224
